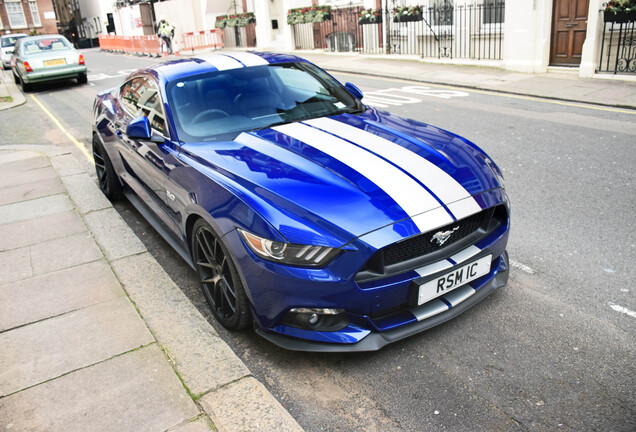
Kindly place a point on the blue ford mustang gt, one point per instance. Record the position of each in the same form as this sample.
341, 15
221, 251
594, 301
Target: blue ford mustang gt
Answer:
326, 224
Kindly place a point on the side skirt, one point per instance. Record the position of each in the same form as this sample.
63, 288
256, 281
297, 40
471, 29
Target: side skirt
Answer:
158, 225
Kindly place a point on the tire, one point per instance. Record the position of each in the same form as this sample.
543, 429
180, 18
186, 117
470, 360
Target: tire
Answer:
82, 78
16, 78
108, 181
221, 284
26, 87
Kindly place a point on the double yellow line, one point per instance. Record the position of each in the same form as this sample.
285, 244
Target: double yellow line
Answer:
77, 144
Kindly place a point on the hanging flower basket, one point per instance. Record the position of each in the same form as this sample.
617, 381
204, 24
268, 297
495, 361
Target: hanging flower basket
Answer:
220, 21
408, 14
309, 14
370, 16
235, 20
620, 11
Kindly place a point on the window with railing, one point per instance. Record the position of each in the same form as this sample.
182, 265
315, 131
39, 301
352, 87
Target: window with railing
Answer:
34, 13
15, 13
442, 12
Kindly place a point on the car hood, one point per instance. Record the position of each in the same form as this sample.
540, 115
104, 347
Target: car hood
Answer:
345, 176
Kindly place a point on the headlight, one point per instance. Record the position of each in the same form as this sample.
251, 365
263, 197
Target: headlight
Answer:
288, 253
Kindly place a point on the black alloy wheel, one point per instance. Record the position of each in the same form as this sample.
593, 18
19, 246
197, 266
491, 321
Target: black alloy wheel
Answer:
221, 284
108, 182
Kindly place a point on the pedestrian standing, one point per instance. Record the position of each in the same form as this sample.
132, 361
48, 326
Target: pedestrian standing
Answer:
165, 32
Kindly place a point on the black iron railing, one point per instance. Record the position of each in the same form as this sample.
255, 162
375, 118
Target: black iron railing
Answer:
473, 31
618, 43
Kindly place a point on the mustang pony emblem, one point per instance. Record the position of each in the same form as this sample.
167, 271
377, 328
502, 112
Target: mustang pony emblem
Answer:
442, 236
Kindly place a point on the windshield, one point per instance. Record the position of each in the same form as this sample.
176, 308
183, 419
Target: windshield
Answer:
220, 105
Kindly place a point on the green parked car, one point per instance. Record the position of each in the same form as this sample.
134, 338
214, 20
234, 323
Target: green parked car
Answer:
46, 58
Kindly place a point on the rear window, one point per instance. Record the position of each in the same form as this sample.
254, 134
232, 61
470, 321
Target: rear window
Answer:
45, 45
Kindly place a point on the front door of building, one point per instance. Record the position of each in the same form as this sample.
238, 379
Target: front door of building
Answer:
569, 26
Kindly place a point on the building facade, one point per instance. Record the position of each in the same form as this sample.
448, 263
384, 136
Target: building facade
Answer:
517, 35
27, 16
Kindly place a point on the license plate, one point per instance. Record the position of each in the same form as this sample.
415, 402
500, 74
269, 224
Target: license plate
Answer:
54, 62
458, 276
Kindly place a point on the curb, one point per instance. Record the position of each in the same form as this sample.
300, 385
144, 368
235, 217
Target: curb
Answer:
12, 90
216, 379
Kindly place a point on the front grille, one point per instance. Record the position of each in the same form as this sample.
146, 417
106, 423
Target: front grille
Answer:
422, 249
423, 244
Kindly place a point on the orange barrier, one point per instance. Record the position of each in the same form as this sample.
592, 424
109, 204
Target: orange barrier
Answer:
203, 39
140, 45
151, 45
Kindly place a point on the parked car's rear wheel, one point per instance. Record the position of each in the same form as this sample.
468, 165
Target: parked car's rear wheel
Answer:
16, 78
26, 87
108, 182
222, 286
82, 78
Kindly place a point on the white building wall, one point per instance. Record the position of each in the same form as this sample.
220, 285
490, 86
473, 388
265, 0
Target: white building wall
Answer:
128, 21
527, 35
94, 20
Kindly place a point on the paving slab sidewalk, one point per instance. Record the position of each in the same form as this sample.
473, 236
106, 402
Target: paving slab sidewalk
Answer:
94, 335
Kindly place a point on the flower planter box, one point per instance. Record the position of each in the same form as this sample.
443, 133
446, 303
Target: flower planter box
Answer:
408, 18
363, 21
237, 20
620, 16
308, 15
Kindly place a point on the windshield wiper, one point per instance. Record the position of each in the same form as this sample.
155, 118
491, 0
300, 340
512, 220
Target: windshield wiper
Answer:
352, 110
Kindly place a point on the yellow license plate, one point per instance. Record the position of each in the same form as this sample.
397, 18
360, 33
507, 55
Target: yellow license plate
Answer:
54, 62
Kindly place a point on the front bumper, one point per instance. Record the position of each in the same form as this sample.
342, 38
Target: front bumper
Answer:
432, 313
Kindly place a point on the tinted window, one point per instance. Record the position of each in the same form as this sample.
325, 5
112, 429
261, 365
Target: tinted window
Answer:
220, 105
140, 97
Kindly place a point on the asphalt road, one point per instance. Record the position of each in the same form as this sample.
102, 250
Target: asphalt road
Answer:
554, 350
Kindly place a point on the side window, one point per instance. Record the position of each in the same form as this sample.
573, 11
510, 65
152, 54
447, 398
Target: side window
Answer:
129, 96
140, 96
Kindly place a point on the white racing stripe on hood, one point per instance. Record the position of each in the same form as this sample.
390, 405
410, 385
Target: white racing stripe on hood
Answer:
405, 191
248, 59
445, 187
221, 62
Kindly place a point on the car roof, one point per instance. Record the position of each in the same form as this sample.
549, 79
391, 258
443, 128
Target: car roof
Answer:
46, 36
5, 36
217, 61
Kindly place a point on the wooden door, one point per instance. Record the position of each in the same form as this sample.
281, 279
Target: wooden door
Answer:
569, 26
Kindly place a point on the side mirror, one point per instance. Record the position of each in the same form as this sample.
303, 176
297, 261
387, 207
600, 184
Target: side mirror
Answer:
355, 91
139, 128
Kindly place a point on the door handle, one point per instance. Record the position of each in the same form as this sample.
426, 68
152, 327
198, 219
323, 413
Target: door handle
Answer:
571, 24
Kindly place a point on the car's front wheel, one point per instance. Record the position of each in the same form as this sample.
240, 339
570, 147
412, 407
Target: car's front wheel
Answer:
221, 284
108, 182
